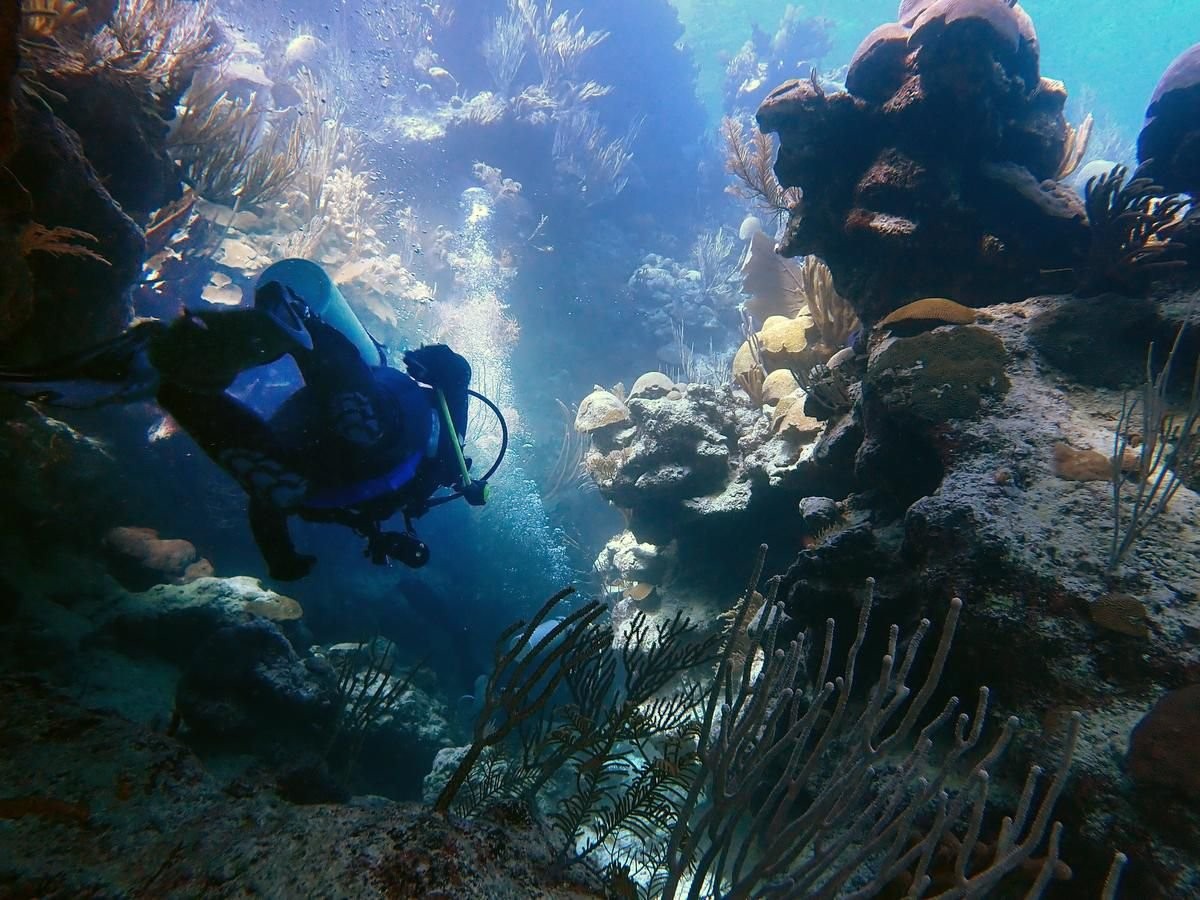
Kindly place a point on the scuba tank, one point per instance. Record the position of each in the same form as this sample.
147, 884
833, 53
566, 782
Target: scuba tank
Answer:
311, 283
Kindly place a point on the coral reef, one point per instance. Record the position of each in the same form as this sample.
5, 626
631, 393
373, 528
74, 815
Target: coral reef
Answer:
932, 173
695, 468
969, 490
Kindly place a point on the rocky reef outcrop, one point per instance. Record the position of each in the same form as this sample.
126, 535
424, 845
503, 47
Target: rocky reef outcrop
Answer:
933, 172
705, 467
1169, 143
985, 472
94, 805
86, 161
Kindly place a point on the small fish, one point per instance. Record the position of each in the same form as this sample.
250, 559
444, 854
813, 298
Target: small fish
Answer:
164, 428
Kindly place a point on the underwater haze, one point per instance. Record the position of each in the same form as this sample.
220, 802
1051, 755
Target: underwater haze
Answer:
599, 448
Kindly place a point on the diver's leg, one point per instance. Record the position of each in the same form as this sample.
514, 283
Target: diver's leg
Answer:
269, 526
246, 447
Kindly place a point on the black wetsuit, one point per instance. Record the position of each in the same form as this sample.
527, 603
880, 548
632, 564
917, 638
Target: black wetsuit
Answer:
355, 445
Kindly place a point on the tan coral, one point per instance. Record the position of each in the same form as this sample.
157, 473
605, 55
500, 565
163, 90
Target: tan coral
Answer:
600, 409
1121, 613
1089, 465
778, 385
783, 341
652, 385
931, 311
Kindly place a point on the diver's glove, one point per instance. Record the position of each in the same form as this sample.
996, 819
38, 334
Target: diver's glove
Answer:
439, 366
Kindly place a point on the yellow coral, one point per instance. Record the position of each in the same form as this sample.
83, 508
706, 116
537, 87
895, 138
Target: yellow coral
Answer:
937, 310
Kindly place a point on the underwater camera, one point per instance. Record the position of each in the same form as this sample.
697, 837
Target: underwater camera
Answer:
385, 546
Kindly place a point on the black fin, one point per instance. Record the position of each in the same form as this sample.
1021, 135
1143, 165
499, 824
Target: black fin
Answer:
116, 371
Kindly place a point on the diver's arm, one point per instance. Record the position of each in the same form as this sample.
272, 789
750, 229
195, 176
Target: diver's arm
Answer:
270, 529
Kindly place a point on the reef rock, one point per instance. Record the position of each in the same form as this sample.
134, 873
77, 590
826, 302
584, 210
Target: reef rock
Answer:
1162, 750
1169, 145
172, 619
84, 294
98, 806
932, 174
700, 470
247, 681
977, 507
935, 377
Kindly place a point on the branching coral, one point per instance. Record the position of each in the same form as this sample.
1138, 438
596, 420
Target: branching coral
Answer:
559, 42
763, 780
45, 18
58, 241
525, 675
1168, 455
766, 746
366, 692
323, 137
351, 207
159, 43
504, 50
1075, 149
582, 149
622, 696
831, 312
228, 151
750, 158
1132, 223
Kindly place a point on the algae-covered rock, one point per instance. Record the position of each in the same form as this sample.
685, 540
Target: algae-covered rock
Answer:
172, 618
943, 374
246, 679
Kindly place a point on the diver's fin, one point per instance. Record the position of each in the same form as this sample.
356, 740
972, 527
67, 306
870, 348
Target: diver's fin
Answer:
116, 371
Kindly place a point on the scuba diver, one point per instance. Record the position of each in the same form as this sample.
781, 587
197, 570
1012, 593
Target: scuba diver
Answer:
358, 443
